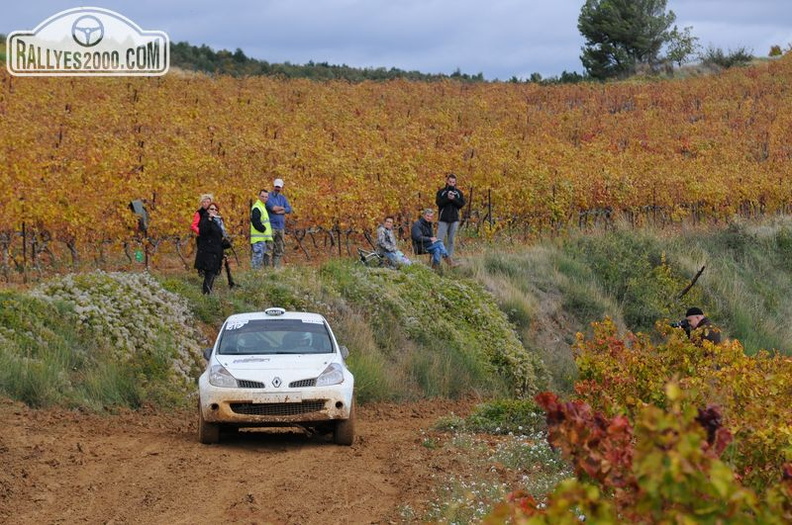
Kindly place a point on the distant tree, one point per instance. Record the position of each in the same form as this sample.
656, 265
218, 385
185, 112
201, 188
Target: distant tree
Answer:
239, 56
775, 51
622, 35
570, 78
681, 46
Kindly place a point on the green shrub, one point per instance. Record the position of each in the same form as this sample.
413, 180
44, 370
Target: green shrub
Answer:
505, 416
717, 57
632, 268
460, 335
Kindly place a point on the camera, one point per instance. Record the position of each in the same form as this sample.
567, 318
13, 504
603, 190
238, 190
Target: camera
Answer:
684, 323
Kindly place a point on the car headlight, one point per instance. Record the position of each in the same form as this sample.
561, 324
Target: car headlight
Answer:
219, 376
332, 375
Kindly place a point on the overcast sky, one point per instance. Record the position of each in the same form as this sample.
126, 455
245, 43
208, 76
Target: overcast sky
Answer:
499, 38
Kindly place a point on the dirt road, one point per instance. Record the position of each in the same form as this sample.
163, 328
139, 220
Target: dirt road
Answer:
69, 467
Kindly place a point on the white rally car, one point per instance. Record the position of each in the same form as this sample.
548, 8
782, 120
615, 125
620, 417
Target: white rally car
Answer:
276, 369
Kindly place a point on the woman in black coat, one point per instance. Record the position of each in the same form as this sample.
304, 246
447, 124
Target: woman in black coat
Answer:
209, 258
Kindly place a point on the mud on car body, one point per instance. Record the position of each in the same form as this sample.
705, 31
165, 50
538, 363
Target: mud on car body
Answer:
276, 369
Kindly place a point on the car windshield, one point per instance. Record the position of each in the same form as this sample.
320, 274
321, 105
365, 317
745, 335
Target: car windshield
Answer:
275, 336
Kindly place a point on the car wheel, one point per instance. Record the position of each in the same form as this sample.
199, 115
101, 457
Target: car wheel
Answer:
344, 430
208, 433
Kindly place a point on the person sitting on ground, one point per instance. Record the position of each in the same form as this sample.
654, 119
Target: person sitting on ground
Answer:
700, 328
386, 244
424, 240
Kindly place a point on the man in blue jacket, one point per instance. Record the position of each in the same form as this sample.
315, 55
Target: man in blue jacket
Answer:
278, 206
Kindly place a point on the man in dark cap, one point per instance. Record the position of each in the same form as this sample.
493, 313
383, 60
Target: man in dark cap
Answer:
699, 327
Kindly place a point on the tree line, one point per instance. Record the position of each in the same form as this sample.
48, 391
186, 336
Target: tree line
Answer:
622, 38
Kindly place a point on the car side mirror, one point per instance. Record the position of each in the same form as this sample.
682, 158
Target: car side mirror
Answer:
207, 353
344, 351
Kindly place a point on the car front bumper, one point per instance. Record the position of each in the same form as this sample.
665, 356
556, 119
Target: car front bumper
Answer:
258, 407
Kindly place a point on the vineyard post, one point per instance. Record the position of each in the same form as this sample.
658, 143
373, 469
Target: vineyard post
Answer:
489, 207
470, 202
24, 253
337, 231
654, 204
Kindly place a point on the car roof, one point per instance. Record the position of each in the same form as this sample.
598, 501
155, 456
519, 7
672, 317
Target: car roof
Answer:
275, 313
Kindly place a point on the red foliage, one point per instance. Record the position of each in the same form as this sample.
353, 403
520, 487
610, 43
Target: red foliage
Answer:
601, 448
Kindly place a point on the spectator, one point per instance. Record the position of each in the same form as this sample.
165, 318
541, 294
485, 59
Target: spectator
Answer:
699, 327
278, 206
206, 200
424, 240
386, 244
209, 257
226, 242
260, 232
449, 201
218, 218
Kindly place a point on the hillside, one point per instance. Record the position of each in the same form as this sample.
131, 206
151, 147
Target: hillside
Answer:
105, 342
502, 324
532, 159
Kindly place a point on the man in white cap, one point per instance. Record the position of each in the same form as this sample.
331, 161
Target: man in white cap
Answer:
277, 206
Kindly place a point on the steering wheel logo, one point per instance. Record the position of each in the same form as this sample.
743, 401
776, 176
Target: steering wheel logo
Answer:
88, 31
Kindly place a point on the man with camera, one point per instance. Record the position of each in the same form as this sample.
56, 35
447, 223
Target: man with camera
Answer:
698, 327
449, 201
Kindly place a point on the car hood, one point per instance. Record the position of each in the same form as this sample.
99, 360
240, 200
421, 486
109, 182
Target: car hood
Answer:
299, 362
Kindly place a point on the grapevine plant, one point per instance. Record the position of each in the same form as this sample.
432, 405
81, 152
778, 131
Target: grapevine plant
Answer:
668, 433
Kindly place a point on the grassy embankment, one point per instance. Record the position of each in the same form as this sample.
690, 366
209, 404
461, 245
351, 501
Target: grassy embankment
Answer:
501, 326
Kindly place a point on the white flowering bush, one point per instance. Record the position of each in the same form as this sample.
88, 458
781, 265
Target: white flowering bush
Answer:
137, 319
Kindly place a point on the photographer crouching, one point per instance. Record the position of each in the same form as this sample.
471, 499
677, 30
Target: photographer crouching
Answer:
698, 327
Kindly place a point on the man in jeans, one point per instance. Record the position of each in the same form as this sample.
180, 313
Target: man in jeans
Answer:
424, 240
449, 201
386, 244
278, 206
260, 232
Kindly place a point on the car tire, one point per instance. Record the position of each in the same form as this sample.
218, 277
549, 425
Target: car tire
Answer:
208, 433
344, 430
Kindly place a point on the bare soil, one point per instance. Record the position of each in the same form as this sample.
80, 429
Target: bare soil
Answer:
146, 466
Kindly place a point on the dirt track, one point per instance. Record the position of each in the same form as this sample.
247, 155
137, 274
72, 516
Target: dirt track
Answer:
147, 467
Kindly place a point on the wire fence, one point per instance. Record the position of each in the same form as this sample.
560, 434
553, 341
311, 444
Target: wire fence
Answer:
30, 253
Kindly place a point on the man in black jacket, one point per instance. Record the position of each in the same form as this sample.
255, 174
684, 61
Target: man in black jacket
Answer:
449, 201
424, 240
700, 328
